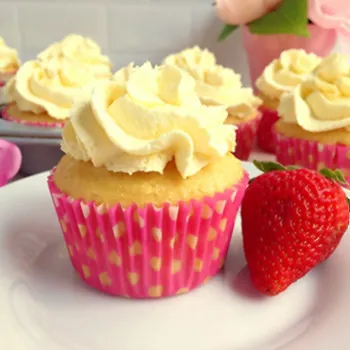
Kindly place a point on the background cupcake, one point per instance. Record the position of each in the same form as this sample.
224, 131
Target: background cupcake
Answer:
220, 86
314, 129
280, 76
148, 191
9, 64
42, 93
79, 49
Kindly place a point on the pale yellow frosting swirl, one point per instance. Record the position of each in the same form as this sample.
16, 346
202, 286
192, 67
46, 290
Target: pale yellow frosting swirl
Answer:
83, 50
143, 119
215, 84
49, 87
322, 102
284, 74
9, 61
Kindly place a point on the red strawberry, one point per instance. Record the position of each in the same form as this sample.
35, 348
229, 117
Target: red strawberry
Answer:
292, 220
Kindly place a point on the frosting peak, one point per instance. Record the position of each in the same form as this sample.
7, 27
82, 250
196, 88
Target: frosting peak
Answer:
9, 61
284, 74
40, 87
215, 84
322, 101
143, 119
195, 61
81, 49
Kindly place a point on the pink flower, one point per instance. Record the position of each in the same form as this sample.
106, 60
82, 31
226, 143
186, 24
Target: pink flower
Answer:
333, 14
243, 11
10, 160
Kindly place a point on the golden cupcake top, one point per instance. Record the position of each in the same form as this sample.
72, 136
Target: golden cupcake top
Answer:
285, 73
48, 87
145, 118
322, 101
215, 84
81, 49
9, 61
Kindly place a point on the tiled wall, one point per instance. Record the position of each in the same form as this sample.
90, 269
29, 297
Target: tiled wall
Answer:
128, 30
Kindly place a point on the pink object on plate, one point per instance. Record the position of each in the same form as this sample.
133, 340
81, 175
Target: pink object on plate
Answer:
10, 161
148, 251
265, 137
312, 155
245, 138
7, 116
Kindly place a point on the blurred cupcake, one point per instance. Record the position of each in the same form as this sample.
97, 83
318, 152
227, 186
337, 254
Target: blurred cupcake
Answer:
280, 76
220, 86
314, 129
79, 49
42, 93
148, 191
9, 64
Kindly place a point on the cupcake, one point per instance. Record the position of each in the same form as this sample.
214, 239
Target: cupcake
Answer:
220, 86
148, 190
42, 93
280, 76
82, 50
9, 63
314, 128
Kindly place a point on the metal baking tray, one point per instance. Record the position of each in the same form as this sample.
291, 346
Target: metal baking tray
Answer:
40, 147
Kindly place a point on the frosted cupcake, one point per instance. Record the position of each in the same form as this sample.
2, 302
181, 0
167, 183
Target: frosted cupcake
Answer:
220, 86
82, 50
280, 76
314, 129
148, 190
42, 93
9, 64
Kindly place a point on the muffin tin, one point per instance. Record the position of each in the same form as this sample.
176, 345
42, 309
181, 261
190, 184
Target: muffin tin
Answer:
40, 147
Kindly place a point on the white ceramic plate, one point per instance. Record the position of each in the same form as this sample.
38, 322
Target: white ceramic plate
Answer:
44, 305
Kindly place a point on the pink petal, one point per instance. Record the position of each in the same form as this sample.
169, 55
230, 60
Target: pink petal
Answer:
10, 161
330, 14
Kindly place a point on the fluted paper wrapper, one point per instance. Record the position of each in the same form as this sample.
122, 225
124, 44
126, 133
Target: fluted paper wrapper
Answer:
149, 251
265, 137
245, 138
312, 155
7, 116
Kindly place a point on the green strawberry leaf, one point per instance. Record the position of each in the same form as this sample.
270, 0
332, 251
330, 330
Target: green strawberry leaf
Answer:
289, 18
227, 30
266, 167
335, 175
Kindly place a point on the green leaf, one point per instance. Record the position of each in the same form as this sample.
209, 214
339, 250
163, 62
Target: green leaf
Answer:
335, 175
266, 167
289, 18
227, 30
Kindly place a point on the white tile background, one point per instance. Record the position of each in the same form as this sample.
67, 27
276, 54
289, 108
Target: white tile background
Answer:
127, 30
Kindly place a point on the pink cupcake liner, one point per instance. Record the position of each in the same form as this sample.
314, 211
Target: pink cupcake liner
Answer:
150, 251
265, 137
5, 115
312, 155
245, 138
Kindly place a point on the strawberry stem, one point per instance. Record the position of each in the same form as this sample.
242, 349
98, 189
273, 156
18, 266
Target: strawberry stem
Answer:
335, 175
